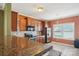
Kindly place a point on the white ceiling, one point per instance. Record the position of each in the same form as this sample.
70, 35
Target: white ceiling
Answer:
51, 10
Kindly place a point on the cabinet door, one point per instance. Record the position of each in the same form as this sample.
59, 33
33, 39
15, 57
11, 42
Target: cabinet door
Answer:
39, 24
31, 21
22, 23
14, 21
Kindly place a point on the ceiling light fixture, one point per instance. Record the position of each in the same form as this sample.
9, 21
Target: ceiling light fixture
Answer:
39, 9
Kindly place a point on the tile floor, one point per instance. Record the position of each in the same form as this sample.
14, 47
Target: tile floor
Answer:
66, 50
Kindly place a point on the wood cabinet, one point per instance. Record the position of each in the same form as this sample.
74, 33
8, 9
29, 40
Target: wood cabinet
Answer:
22, 22
14, 21
25, 21
34, 22
31, 21
28, 21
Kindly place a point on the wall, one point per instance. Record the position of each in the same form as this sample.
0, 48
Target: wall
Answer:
7, 19
7, 25
74, 19
5, 28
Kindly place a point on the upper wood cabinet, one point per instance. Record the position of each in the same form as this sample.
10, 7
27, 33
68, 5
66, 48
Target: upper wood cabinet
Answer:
22, 22
14, 21
31, 21
34, 22
25, 21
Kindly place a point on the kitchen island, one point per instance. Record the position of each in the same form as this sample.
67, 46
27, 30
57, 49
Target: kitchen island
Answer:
21, 46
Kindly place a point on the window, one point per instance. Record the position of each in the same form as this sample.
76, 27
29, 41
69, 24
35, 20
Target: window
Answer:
57, 31
64, 31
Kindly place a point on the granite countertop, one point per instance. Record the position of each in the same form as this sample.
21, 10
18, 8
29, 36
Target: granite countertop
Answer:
24, 47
